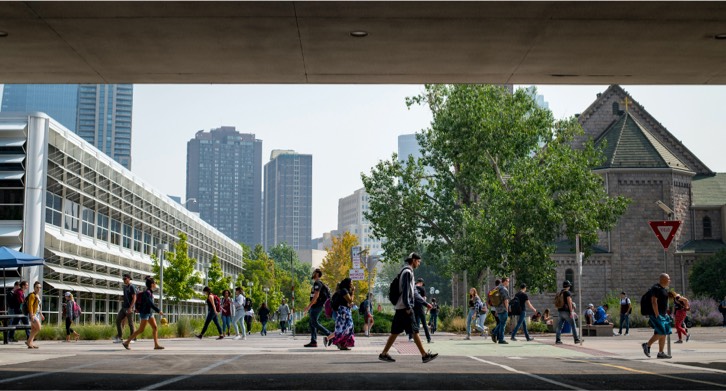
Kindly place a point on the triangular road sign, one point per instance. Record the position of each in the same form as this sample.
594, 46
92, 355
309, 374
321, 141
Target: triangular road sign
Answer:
665, 231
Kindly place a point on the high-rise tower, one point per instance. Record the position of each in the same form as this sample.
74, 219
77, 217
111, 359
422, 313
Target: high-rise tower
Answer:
288, 200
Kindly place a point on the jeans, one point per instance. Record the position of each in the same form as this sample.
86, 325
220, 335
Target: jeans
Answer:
264, 327
501, 326
248, 322
226, 320
283, 326
624, 320
479, 323
124, 313
211, 316
434, 317
314, 325
566, 318
17, 321
521, 322
421, 318
238, 318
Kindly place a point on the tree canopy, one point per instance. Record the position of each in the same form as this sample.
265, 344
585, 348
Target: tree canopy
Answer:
180, 276
706, 276
498, 183
337, 264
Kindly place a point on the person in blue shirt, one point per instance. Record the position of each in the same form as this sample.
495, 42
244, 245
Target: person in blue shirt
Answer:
601, 315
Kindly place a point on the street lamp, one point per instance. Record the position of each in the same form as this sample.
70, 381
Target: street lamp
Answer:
266, 289
163, 247
206, 266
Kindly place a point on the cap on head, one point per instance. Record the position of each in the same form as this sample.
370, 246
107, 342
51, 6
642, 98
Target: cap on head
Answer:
590, 305
566, 284
68, 294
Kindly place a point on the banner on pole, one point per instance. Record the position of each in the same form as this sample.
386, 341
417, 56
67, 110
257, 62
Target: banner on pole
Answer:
355, 256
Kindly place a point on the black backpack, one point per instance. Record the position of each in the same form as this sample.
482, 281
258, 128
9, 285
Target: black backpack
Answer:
335, 300
646, 306
394, 290
515, 307
362, 308
324, 294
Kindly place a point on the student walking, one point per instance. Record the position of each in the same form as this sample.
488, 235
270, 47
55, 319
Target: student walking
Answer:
403, 320
213, 308
434, 315
264, 313
71, 312
249, 314
418, 308
15, 304
227, 308
34, 314
502, 309
366, 310
343, 337
126, 313
283, 312
626, 308
239, 313
492, 309
566, 309
519, 303
319, 293
476, 305
146, 316
658, 320
681, 307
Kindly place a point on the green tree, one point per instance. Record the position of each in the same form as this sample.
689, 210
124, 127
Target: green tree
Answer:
179, 276
337, 264
706, 276
498, 183
218, 282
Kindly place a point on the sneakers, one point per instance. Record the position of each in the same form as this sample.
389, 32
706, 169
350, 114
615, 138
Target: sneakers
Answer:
387, 358
663, 355
429, 357
117, 340
513, 339
503, 342
199, 336
429, 341
626, 334
220, 337
679, 341
325, 342
558, 342
579, 341
494, 338
467, 338
311, 345
688, 336
646, 349
530, 339
238, 337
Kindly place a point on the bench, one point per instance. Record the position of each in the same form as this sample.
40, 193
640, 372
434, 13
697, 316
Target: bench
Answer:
5, 326
597, 330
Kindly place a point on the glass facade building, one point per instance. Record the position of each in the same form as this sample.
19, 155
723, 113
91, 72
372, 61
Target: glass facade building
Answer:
59, 101
288, 200
91, 219
224, 182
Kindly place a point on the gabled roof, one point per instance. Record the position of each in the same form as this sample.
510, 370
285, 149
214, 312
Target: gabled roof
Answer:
709, 190
599, 116
630, 145
702, 246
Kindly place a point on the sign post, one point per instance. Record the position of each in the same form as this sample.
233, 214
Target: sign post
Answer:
665, 231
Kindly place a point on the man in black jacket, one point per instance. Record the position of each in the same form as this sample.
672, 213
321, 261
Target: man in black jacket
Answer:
418, 308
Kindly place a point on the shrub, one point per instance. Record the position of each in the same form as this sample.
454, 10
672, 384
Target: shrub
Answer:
536, 327
455, 325
704, 312
184, 327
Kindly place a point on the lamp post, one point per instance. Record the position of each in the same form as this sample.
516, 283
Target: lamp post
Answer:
163, 247
206, 266
266, 289
249, 287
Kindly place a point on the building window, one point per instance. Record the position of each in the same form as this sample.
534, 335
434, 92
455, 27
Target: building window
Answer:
570, 276
616, 108
706, 227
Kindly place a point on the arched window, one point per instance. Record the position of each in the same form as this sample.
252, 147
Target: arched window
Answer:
570, 276
706, 227
616, 108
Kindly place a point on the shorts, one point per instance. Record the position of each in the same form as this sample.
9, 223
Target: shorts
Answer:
660, 324
404, 322
144, 316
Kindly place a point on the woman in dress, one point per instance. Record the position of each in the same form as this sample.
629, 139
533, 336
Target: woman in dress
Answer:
145, 314
343, 337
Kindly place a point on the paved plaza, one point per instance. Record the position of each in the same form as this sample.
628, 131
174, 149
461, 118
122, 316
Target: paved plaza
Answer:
281, 362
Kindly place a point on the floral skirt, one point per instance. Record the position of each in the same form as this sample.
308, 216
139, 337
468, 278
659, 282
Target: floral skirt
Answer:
344, 328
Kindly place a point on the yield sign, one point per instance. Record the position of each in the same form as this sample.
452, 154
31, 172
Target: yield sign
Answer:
665, 231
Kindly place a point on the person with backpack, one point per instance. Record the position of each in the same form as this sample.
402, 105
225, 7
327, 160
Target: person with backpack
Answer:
70, 313
126, 313
401, 294
32, 309
500, 300
319, 294
283, 312
366, 311
227, 308
654, 303
15, 307
492, 308
214, 307
144, 304
680, 308
239, 313
626, 308
566, 309
418, 309
343, 336
476, 308
264, 313
517, 305
434, 315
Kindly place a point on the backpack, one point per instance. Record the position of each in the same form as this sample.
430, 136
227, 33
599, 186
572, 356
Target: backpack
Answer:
394, 290
495, 297
515, 307
363, 307
24, 306
217, 303
482, 309
335, 301
560, 299
139, 301
76, 310
324, 293
646, 306
328, 307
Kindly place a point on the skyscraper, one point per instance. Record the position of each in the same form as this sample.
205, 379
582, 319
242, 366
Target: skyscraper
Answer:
224, 179
99, 113
104, 118
288, 200
351, 218
59, 101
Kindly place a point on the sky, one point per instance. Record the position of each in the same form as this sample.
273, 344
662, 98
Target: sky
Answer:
349, 128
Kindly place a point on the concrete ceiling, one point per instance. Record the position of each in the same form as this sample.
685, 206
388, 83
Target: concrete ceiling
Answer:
408, 42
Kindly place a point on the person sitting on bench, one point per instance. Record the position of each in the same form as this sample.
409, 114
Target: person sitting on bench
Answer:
601, 315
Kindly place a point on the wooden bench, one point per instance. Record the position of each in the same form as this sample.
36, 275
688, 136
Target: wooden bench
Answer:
597, 330
5, 326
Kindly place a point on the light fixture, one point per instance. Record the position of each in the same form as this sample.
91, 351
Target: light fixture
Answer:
665, 207
359, 34
717, 36
3, 34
